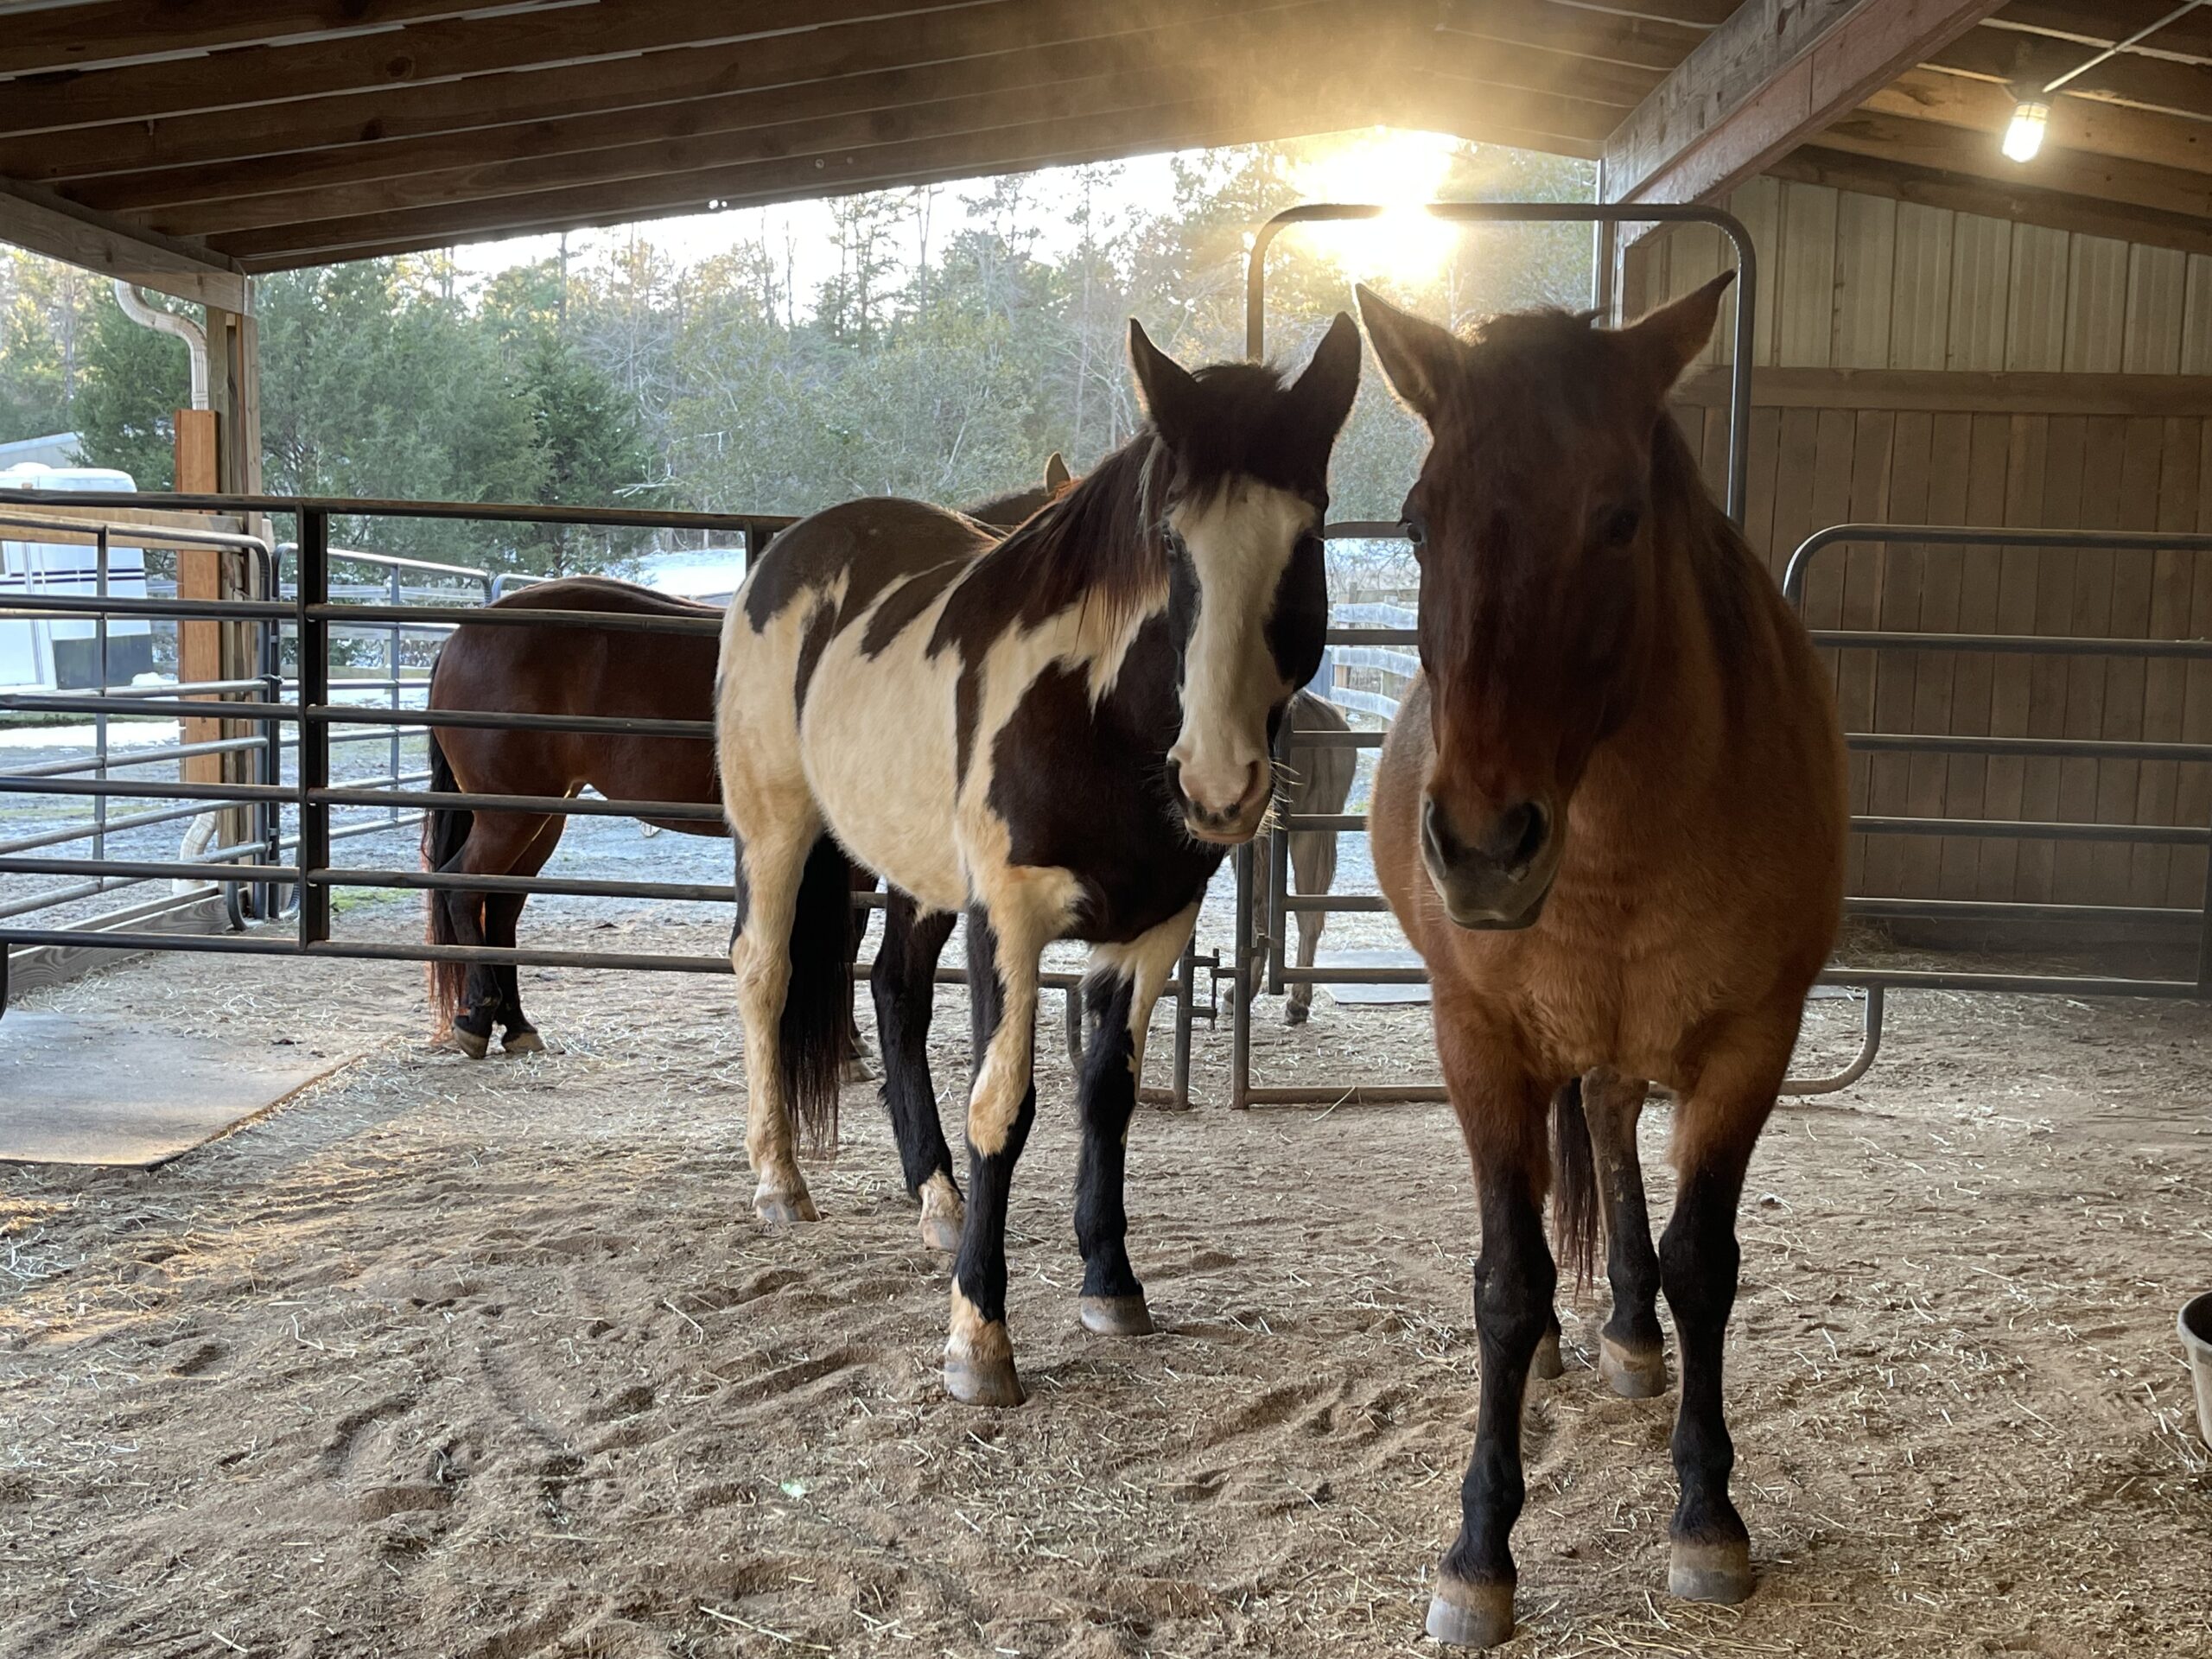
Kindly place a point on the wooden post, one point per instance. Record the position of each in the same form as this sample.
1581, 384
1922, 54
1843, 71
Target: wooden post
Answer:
198, 575
234, 390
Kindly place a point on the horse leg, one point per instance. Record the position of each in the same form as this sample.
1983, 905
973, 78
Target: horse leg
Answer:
1715, 1129
904, 984
501, 912
1313, 862
1631, 1349
496, 842
1502, 1115
1119, 991
770, 864
857, 1069
1003, 952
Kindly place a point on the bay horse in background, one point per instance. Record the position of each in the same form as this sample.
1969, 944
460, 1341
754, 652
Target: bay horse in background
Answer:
1060, 734
572, 671
1610, 816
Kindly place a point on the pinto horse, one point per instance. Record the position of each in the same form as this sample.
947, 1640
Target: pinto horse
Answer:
548, 670
1611, 816
1060, 734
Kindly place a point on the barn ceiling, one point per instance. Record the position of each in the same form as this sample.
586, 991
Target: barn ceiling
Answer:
262, 134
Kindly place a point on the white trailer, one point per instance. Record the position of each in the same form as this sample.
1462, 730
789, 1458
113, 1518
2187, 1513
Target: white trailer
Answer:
65, 656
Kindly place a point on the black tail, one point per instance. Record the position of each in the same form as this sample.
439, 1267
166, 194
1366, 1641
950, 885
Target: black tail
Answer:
1575, 1186
814, 1038
444, 831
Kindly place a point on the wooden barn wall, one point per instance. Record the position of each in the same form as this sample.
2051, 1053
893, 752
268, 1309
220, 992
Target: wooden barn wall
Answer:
1921, 365
1858, 282
2127, 451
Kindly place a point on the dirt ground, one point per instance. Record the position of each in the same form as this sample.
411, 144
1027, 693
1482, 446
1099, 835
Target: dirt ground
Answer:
492, 1359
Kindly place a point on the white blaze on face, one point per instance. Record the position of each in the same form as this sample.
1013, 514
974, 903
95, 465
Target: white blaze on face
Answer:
1239, 543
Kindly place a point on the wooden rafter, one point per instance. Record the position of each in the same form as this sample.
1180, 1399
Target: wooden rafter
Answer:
834, 142
652, 79
2112, 179
765, 110
2088, 125
2030, 61
1012, 148
420, 54
36, 219
1761, 82
59, 38
1014, 151
1995, 198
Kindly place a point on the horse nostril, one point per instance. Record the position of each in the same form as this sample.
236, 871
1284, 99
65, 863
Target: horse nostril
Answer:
1519, 836
1443, 845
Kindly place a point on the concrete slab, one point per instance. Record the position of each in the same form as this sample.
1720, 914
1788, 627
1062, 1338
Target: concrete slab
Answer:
1372, 995
94, 1088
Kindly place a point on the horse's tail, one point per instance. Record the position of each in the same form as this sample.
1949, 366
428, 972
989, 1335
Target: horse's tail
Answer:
445, 830
1575, 1186
814, 1038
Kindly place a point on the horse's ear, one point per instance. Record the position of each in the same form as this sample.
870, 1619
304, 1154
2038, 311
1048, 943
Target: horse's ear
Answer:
1418, 357
1057, 476
1669, 339
1171, 391
1331, 379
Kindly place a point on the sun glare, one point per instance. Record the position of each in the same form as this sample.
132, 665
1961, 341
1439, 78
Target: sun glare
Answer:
1400, 170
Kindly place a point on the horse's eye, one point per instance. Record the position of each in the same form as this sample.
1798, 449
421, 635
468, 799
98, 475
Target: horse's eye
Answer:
1416, 532
1621, 525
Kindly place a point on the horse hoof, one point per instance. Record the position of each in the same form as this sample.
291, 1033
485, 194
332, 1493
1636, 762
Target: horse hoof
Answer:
1720, 1572
1632, 1373
469, 1042
1118, 1316
784, 1209
982, 1380
941, 1233
524, 1041
1462, 1615
856, 1069
1547, 1364
1295, 1014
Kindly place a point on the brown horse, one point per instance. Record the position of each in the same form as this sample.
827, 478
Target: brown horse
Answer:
547, 670
1611, 816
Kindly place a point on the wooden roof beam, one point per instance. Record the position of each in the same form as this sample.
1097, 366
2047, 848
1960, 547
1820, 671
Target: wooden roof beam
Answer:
646, 80
837, 111
109, 33
420, 54
1774, 73
37, 220
1996, 198
2091, 27
2033, 60
1627, 43
2111, 179
1233, 117
938, 108
2089, 125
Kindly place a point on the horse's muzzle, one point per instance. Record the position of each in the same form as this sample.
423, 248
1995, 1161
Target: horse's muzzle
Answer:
1497, 879
1229, 826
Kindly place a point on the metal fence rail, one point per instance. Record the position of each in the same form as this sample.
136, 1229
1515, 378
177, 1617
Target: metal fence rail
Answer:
304, 706
1266, 900
1262, 899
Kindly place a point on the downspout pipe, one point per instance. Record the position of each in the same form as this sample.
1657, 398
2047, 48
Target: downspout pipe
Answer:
167, 322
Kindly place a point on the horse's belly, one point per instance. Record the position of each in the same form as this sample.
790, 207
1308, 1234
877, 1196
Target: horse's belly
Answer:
876, 739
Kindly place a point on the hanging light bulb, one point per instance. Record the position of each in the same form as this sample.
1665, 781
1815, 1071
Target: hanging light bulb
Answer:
2024, 136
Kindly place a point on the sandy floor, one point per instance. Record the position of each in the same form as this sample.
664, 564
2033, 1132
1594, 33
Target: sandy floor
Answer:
491, 1359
